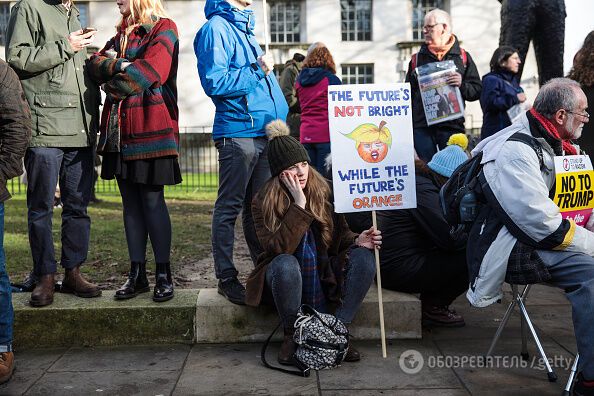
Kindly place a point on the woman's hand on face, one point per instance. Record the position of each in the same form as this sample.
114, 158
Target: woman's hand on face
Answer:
370, 239
291, 181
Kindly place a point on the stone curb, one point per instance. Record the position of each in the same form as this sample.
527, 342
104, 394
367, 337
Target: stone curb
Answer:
192, 316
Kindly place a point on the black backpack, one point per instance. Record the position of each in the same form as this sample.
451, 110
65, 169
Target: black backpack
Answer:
461, 197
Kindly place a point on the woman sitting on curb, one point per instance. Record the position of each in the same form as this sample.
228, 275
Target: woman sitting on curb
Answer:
310, 255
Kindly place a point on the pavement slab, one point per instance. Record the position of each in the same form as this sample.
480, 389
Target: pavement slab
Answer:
236, 370
30, 367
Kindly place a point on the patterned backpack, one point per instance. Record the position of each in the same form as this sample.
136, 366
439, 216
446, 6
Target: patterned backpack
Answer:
322, 342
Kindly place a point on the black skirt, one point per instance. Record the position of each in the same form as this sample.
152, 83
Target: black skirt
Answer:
155, 171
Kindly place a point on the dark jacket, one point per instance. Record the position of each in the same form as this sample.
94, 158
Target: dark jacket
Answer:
294, 225
287, 84
470, 88
312, 91
146, 90
64, 101
409, 236
500, 93
15, 127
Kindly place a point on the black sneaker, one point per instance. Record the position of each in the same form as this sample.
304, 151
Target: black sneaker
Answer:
583, 387
232, 290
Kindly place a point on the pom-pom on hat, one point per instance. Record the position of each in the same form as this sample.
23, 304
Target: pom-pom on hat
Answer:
447, 160
284, 151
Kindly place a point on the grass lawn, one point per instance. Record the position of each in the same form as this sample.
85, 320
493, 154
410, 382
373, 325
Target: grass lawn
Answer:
107, 262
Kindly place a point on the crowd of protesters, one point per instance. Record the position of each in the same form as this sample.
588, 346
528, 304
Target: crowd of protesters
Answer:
274, 175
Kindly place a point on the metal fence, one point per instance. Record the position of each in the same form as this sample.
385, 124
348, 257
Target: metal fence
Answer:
198, 162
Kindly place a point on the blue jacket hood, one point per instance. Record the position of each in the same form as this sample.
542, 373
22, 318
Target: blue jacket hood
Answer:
243, 19
312, 75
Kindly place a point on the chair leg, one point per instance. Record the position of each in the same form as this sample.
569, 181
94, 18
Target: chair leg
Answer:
503, 323
550, 373
567, 390
523, 326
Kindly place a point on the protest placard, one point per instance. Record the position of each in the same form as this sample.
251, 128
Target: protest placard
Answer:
372, 147
441, 101
574, 192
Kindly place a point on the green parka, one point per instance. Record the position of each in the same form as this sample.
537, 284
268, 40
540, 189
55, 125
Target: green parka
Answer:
64, 101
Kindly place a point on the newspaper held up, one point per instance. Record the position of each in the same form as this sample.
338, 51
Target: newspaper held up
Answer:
441, 101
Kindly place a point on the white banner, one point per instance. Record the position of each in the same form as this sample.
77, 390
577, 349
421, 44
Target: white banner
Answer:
372, 147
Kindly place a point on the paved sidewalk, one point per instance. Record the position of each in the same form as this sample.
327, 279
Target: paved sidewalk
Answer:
236, 369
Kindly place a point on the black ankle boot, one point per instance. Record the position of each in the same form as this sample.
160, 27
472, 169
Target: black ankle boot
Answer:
163, 283
136, 283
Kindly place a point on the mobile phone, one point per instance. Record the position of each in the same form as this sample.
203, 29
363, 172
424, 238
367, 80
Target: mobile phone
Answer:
88, 29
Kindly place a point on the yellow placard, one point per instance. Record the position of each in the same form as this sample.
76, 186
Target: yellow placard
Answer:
574, 190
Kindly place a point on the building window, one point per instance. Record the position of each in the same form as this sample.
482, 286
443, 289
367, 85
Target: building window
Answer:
355, 16
357, 73
285, 21
420, 8
83, 9
4, 17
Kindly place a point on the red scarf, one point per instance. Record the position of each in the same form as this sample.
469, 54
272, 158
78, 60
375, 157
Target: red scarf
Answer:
552, 131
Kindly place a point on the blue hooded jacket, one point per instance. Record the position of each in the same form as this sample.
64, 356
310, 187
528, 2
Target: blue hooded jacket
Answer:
227, 51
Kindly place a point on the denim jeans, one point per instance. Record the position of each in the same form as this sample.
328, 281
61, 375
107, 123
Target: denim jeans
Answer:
73, 167
6, 315
429, 140
243, 170
574, 272
317, 154
283, 278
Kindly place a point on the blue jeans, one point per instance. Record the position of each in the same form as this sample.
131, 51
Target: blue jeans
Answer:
283, 278
243, 170
574, 272
73, 167
6, 316
429, 140
317, 154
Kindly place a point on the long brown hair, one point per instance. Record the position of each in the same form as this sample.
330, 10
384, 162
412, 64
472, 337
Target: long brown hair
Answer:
276, 200
320, 56
583, 63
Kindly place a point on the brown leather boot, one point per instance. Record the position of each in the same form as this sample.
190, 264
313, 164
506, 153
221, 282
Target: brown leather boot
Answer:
287, 349
6, 366
440, 316
43, 294
75, 283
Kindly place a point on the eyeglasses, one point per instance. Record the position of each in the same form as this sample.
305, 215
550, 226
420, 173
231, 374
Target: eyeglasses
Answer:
584, 114
430, 27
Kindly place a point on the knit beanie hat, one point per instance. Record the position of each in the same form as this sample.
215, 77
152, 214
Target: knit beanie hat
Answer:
447, 160
284, 151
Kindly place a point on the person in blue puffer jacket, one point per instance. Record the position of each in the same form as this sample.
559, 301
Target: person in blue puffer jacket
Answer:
237, 76
501, 90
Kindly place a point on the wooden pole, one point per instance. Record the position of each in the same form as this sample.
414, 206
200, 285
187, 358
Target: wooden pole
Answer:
266, 38
379, 291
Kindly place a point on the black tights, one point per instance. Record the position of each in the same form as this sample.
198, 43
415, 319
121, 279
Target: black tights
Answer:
145, 214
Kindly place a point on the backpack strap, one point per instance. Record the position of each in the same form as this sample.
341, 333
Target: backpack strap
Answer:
414, 61
464, 57
304, 371
532, 142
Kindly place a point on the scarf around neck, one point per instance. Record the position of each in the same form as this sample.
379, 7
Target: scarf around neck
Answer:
440, 50
551, 134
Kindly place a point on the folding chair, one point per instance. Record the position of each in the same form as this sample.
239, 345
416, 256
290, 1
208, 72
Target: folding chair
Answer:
567, 390
519, 299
